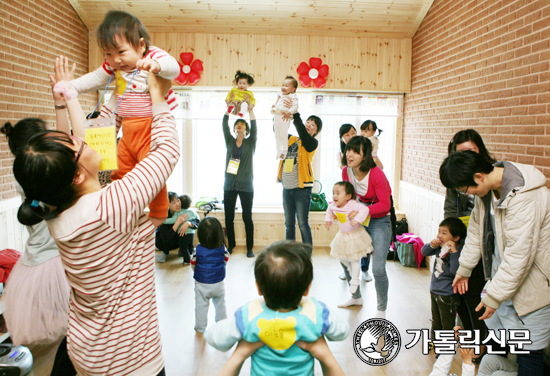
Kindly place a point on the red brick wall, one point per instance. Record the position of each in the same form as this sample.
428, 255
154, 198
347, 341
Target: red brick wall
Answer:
32, 34
481, 65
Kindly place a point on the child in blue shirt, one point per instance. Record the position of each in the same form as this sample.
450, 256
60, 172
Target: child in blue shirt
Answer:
446, 247
208, 262
283, 316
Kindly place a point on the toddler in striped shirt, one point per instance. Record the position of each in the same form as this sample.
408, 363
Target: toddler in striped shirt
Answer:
129, 56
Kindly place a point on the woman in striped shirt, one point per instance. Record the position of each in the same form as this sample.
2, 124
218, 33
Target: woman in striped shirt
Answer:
105, 240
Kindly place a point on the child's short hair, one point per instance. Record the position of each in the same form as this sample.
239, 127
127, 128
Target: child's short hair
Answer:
283, 272
293, 80
239, 75
210, 233
348, 188
458, 169
186, 201
123, 24
370, 124
456, 227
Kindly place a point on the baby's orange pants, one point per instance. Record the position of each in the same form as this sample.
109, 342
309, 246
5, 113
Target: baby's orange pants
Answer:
132, 148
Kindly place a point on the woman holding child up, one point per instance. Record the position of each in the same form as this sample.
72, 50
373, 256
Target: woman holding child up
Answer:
105, 241
296, 174
509, 233
239, 176
372, 189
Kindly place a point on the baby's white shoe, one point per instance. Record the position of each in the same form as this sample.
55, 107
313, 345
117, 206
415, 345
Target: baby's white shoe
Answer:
351, 302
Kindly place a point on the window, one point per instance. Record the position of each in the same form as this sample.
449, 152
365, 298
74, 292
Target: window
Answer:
203, 109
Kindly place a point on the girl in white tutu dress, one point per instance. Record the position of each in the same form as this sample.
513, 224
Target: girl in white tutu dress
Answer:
352, 242
36, 296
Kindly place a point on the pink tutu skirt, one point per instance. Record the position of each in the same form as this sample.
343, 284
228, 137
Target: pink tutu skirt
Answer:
36, 302
351, 246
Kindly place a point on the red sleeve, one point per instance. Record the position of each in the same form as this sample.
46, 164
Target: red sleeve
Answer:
107, 67
381, 188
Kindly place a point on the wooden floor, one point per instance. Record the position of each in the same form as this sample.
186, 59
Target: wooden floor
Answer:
187, 355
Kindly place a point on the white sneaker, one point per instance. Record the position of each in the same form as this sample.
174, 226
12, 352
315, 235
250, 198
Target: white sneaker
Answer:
380, 314
342, 276
351, 302
162, 257
366, 276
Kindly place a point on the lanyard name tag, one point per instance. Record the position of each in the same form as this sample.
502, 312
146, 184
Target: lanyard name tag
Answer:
233, 166
367, 221
100, 135
289, 165
465, 220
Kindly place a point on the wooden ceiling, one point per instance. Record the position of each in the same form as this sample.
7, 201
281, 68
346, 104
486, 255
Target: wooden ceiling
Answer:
359, 18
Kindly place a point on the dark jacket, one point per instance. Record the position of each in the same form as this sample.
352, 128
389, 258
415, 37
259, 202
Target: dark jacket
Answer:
209, 264
442, 283
457, 205
243, 181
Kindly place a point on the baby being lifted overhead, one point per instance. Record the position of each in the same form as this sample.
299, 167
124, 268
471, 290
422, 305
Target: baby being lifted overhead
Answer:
238, 98
282, 114
130, 57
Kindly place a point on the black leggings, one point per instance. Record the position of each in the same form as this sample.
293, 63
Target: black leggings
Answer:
62, 365
166, 239
229, 202
470, 300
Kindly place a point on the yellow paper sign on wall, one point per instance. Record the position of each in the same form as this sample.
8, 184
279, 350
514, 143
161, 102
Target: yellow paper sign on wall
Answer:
103, 141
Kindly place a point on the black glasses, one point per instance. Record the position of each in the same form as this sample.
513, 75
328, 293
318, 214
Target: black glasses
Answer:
82, 143
464, 192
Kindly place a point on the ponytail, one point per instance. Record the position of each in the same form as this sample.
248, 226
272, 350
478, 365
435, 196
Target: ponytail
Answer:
32, 212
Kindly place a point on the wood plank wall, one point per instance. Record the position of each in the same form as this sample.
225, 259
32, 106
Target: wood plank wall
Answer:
370, 64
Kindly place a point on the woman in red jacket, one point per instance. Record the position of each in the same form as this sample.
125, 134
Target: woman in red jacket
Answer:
372, 189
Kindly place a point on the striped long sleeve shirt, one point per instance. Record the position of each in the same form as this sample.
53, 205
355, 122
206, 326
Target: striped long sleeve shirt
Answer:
106, 243
137, 100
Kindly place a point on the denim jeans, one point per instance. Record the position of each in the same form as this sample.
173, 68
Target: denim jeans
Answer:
296, 203
379, 230
536, 322
229, 202
365, 261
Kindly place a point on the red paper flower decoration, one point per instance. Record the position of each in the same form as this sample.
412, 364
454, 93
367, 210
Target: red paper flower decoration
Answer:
317, 73
190, 71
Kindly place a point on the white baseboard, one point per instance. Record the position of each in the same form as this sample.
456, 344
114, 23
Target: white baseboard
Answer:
12, 233
424, 209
